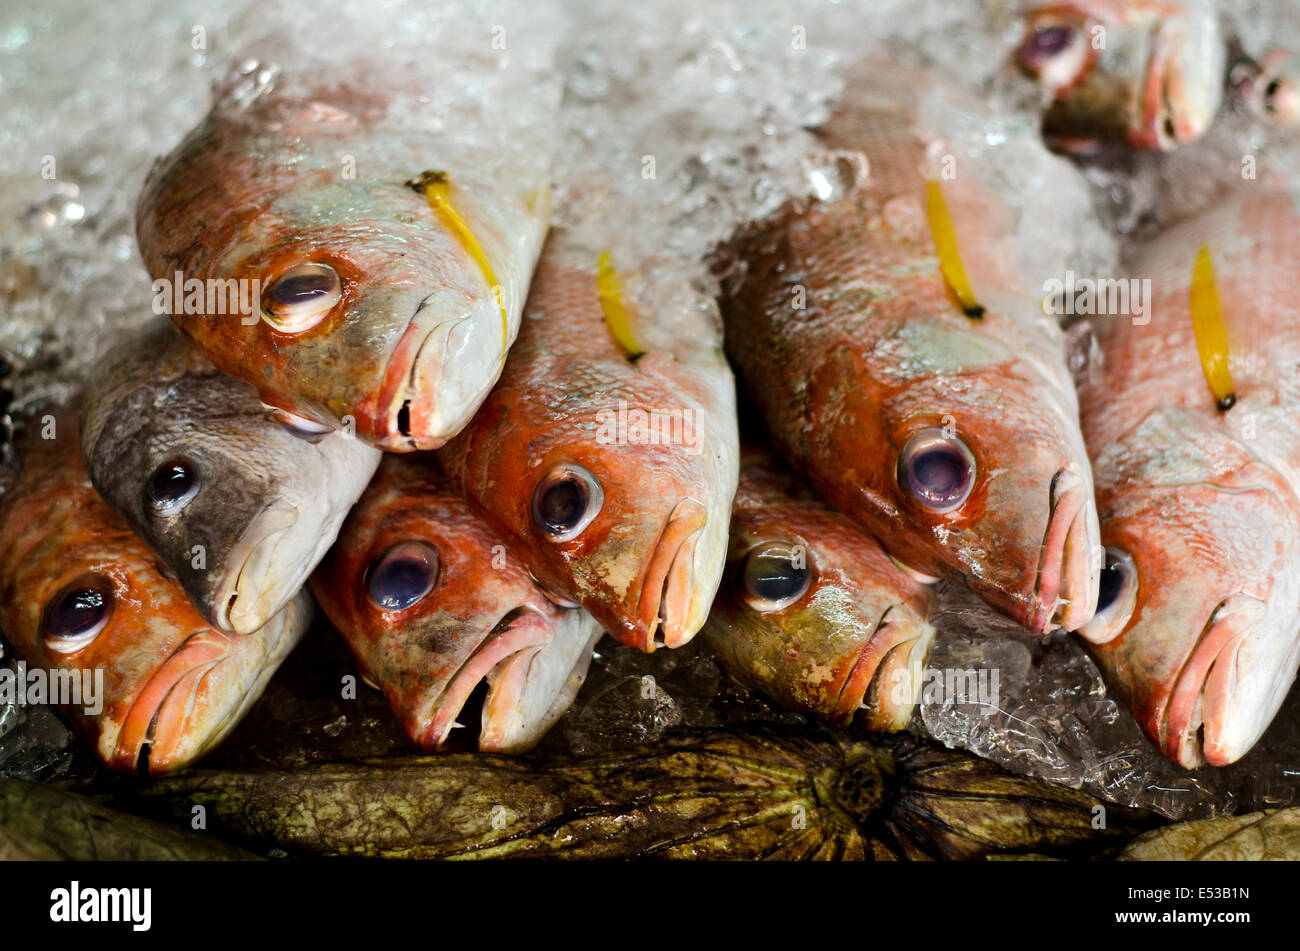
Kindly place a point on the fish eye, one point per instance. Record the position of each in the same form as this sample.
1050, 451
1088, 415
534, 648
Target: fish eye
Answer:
937, 470
402, 575
172, 486
77, 614
774, 576
1116, 597
566, 501
1055, 52
298, 299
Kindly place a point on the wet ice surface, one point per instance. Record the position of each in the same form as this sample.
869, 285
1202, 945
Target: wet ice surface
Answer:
720, 97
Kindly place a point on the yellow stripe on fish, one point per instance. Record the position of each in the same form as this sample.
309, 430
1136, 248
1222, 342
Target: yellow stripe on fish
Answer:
945, 242
618, 314
1210, 330
436, 188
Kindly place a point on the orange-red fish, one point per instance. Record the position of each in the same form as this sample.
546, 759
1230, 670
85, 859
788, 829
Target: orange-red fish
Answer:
812, 612
79, 593
432, 606
1191, 420
898, 358
609, 472
389, 275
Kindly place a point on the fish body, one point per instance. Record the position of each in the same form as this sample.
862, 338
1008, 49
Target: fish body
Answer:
1198, 491
812, 611
79, 593
239, 505
431, 605
610, 474
1149, 73
391, 267
925, 394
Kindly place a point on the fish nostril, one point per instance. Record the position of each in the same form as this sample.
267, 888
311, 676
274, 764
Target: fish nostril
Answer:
404, 419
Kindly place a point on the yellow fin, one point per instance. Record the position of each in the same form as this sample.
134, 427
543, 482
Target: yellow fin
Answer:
618, 313
945, 242
436, 188
1210, 330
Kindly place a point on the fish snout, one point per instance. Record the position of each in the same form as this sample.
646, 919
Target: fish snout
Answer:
1069, 567
886, 679
156, 732
1216, 711
435, 378
263, 572
668, 599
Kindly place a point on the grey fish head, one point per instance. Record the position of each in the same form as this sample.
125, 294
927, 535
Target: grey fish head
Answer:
239, 506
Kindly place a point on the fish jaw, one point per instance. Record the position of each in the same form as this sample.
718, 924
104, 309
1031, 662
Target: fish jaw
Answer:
438, 374
198, 695
1065, 592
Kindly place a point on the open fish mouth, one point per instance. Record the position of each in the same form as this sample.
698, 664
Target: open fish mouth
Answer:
155, 724
886, 678
1066, 588
255, 585
502, 661
667, 603
1203, 720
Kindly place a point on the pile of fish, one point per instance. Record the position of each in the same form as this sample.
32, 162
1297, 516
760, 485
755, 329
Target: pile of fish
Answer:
390, 387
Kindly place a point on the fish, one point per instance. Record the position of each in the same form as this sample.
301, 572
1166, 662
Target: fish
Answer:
749, 793
390, 267
1190, 419
1272, 835
432, 604
812, 611
609, 471
1149, 74
80, 594
1268, 87
899, 361
241, 503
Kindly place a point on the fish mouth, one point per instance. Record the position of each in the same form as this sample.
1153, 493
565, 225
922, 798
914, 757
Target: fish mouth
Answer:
153, 727
1066, 588
886, 677
1194, 725
502, 662
666, 603
422, 401
244, 601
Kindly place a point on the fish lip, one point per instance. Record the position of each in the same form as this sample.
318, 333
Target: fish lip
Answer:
140, 725
891, 650
515, 638
1066, 585
666, 587
379, 422
237, 613
1192, 721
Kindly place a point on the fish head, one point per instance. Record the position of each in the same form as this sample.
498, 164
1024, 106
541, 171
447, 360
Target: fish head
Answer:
1197, 617
978, 467
1150, 73
432, 606
378, 306
240, 505
621, 502
83, 598
813, 613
